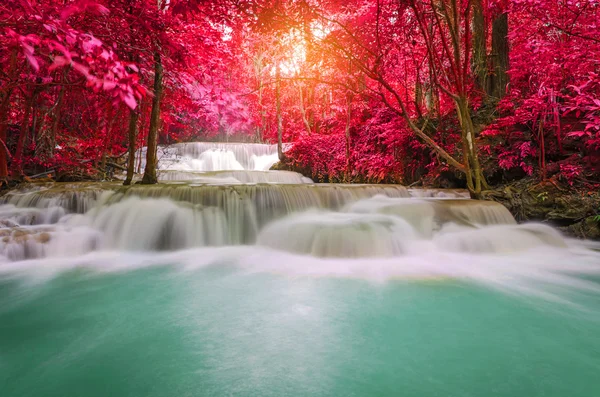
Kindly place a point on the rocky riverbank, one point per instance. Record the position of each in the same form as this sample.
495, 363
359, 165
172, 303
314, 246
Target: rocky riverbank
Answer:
575, 211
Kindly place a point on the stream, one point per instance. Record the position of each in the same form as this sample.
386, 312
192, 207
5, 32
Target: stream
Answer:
227, 279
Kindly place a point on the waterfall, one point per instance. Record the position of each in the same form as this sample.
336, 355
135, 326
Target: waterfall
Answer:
251, 156
499, 239
237, 211
336, 235
220, 163
427, 215
234, 177
196, 206
352, 220
217, 156
255, 282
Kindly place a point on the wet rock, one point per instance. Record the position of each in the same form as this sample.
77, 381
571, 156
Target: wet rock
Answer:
21, 236
42, 238
288, 165
571, 210
589, 228
8, 223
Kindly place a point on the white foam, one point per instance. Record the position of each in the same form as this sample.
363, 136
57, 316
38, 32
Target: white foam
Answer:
213, 156
543, 271
330, 234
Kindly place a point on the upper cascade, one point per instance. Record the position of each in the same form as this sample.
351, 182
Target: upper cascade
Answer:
235, 177
214, 156
220, 163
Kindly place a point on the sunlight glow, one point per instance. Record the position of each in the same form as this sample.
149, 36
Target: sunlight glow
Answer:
293, 49
292, 54
319, 30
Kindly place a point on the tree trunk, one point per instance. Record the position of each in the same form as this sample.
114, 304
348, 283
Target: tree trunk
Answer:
51, 140
279, 118
17, 167
260, 129
310, 98
475, 179
150, 170
107, 137
133, 119
303, 111
143, 117
347, 134
418, 95
257, 62
4, 111
4, 153
500, 56
542, 156
479, 62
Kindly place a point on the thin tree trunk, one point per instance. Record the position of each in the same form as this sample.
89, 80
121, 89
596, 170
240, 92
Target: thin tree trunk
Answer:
143, 117
258, 71
347, 134
133, 115
542, 157
4, 153
263, 115
17, 167
108, 137
279, 118
500, 56
4, 111
312, 112
303, 111
557, 121
418, 95
479, 62
133, 119
56, 120
475, 179
150, 170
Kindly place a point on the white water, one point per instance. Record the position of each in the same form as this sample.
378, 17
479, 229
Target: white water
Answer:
278, 222
338, 234
195, 160
378, 238
224, 177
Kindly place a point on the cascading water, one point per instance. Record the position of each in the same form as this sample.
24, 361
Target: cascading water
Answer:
207, 156
227, 279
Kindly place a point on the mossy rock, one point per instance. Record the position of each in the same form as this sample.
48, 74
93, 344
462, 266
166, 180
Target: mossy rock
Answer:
588, 228
570, 209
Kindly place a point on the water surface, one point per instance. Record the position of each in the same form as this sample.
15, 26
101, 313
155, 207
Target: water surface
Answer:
222, 330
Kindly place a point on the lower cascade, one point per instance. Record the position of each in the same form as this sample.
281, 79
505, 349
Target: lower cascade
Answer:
229, 279
318, 220
337, 235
